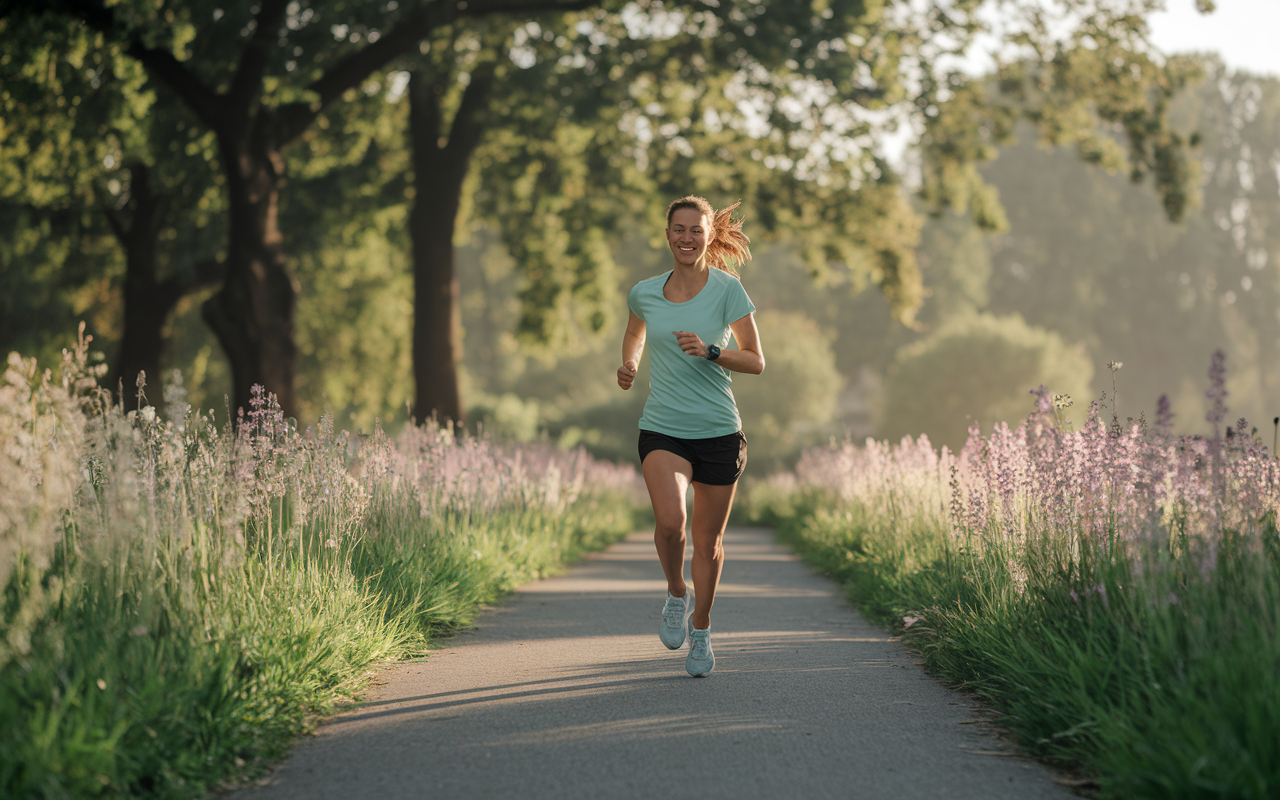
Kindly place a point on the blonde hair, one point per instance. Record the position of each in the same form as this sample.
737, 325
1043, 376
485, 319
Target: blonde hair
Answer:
727, 250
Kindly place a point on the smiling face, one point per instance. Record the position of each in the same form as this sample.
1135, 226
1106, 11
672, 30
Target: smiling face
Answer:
688, 235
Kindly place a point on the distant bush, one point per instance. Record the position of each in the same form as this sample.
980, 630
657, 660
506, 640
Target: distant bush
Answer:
507, 416
790, 406
977, 368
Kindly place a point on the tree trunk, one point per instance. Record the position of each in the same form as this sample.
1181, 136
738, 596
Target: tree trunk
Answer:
435, 301
146, 310
253, 315
147, 300
438, 174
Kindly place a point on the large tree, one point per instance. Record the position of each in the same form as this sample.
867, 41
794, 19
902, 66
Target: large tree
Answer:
91, 158
233, 65
592, 123
594, 117
446, 123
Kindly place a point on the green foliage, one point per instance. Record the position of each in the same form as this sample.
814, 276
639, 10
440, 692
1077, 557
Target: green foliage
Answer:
71, 101
606, 117
598, 118
955, 256
1093, 258
80, 116
792, 404
567, 394
345, 219
1145, 678
177, 603
1084, 90
981, 369
68, 104
509, 417
354, 324
635, 118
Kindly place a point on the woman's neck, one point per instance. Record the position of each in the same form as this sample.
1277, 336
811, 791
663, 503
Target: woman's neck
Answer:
695, 272
686, 281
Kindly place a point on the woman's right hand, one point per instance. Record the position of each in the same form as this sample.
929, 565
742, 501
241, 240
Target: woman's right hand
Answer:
627, 374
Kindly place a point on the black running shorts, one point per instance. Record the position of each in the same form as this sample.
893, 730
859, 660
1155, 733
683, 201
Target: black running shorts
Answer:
717, 461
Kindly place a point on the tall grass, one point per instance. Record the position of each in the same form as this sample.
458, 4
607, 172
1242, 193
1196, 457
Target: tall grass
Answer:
180, 601
1114, 591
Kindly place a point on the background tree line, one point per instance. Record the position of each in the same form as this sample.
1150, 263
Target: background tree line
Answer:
1090, 270
297, 178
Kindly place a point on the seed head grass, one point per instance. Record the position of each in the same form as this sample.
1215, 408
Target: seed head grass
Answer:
1115, 594
180, 599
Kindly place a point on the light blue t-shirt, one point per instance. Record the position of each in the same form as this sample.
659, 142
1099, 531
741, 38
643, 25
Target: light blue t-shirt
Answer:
689, 397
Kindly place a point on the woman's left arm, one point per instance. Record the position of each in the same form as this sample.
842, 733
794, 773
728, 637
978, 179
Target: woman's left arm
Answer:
748, 358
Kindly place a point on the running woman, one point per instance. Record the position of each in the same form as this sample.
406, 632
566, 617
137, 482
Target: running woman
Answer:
690, 432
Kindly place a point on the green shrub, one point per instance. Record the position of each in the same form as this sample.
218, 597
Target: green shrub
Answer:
791, 405
976, 368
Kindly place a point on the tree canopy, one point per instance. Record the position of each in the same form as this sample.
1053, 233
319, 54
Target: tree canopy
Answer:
583, 117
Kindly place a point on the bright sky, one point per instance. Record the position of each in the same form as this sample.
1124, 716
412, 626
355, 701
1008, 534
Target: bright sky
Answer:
1246, 33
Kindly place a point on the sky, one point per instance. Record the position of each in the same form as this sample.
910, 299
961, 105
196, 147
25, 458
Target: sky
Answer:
1246, 33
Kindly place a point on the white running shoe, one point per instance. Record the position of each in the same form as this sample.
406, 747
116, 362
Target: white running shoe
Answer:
675, 616
701, 660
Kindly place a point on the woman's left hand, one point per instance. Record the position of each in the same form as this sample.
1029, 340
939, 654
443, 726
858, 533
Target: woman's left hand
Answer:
691, 344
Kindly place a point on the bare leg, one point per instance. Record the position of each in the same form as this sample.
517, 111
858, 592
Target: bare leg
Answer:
668, 475
711, 506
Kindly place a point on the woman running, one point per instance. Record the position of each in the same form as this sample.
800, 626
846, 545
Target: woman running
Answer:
690, 432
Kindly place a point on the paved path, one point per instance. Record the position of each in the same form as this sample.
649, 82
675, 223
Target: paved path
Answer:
565, 692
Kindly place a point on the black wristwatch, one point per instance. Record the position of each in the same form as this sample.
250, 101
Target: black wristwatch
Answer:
713, 352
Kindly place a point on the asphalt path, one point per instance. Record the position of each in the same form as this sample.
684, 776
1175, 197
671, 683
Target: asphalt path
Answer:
564, 691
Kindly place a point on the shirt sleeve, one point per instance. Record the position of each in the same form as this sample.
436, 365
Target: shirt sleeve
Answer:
737, 305
633, 301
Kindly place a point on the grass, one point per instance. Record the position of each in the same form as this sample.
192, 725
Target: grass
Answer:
1144, 658
180, 602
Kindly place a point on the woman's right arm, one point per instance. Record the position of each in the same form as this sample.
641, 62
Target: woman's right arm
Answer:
632, 347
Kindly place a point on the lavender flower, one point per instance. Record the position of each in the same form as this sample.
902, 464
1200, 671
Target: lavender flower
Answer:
1130, 491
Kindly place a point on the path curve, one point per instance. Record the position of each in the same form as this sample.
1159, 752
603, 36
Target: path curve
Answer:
564, 691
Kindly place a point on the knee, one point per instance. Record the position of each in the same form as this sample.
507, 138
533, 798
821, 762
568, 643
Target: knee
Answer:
670, 528
710, 546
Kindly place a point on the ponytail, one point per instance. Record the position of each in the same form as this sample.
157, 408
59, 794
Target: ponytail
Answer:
728, 248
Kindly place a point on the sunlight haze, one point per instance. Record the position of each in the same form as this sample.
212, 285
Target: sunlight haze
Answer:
1243, 32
